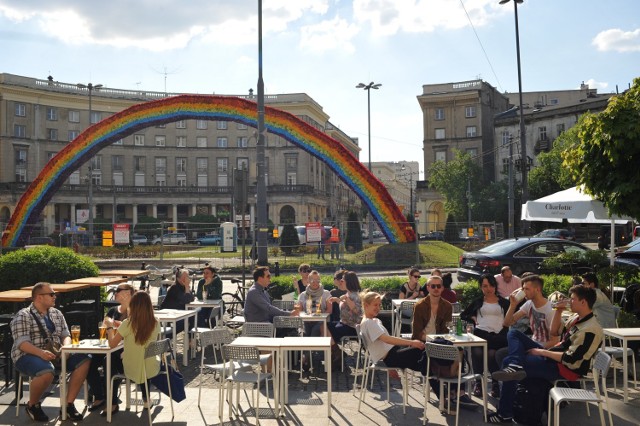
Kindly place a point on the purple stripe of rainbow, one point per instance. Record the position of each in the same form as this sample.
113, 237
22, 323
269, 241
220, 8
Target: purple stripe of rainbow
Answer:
368, 188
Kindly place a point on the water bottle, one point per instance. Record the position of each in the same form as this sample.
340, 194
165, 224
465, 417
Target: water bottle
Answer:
458, 327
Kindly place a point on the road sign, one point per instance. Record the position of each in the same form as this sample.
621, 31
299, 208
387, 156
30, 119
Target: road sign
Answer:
314, 232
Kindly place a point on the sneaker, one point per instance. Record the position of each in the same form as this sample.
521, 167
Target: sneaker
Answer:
510, 373
477, 389
497, 418
465, 402
36, 413
72, 413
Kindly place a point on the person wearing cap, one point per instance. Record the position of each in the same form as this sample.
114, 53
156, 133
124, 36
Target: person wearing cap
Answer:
507, 282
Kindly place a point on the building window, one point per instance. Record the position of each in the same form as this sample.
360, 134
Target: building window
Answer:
74, 179
96, 162
118, 142
52, 114
96, 116
19, 131
223, 170
73, 134
202, 165
181, 181
439, 114
560, 129
117, 163
473, 152
243, 142
201, 124
242, 163
221, 143
21, 110
138, 140
139, 164
241, 126
182, 124
542, 133
181, 141
221, 125
201, 141
470, 111
50, 155
554, 101
161, 126
292, 178
161, 180
441, 156
506, 138
181, 165
471, 131
161, 165
21, 165
74, 116
161, 140
291, 168
439, 133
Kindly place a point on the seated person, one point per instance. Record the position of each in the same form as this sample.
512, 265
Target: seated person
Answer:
411, 289
603, 309
209, 288
178, 295
258, 306
317, 297
32, 328
350, 312
570, 359
339, 289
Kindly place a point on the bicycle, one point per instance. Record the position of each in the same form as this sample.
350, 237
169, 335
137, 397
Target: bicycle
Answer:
234, 302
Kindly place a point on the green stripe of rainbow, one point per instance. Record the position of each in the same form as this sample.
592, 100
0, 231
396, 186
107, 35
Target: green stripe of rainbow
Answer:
206, 107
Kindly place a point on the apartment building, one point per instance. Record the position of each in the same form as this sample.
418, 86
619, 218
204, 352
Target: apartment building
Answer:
169, 172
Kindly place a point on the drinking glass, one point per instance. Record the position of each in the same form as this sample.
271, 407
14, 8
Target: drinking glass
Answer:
103, 333
470, 329
75, 335
309, 305
449, 325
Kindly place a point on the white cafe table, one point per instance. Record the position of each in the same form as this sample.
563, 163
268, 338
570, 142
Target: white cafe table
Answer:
271, 344
207, 303
625, 335
305, 344
322, 317
468, 340
87, 346
173, 316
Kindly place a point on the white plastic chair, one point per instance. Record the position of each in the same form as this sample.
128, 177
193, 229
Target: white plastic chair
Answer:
286, 305
404, 316
295, 323
558, 395
370, 367
259, 329
159, 347
447, 353
234, 355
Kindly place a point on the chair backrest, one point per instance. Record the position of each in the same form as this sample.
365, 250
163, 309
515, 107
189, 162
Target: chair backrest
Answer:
240, 353
601, 363
288, 322
444, 352
456, 307
157, 348
217, 336
257, 329
286, 305
407, 308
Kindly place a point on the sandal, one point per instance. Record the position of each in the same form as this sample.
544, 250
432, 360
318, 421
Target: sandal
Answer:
497, 418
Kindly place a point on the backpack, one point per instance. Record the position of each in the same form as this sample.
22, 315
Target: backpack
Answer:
627, 302
530, 402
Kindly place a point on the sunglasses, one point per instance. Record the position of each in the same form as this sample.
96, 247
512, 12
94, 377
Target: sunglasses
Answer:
52, 294
434, 286
118, 290
305, 271
416, 276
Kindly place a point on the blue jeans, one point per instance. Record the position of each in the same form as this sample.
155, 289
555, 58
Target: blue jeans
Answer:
34, 366
535, 366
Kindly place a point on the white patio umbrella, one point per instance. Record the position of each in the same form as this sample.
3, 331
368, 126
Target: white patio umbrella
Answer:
576, 207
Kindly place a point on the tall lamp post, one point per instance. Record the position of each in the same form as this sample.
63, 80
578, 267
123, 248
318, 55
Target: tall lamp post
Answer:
523, 143
368, 87
90, 87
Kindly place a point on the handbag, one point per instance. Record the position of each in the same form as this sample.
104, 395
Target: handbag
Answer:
176, 381
49, 342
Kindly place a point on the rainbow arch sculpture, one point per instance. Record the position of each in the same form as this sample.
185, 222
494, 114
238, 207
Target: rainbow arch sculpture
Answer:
206, 107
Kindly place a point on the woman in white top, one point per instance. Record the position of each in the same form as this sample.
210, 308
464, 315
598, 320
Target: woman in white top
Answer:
393, 351
319, 297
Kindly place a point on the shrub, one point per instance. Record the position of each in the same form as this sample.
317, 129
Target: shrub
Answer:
289, 239
468, 292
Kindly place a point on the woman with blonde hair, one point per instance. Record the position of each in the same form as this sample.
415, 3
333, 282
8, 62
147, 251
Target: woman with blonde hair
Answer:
138, 331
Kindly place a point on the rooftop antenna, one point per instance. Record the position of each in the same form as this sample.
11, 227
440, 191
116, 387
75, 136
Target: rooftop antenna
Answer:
165, 72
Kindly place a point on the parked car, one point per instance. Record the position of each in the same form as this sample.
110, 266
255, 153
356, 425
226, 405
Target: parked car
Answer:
629, 257
636, 232
174, 238
139, 240
41, 241
433, 235
563, 234
521, 254
209, 240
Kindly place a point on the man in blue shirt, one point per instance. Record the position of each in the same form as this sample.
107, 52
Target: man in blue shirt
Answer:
257, 306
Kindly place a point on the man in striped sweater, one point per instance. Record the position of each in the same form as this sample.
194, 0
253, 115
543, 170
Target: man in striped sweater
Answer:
569, 359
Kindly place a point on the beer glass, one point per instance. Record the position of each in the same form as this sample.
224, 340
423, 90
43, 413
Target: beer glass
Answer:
103, 333
75, 335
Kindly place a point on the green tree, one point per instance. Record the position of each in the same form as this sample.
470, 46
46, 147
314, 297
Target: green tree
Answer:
289, 239
550, 176
354, 236
451, 180
606, 160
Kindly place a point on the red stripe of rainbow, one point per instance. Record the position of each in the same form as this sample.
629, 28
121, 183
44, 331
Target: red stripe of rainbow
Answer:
206, 107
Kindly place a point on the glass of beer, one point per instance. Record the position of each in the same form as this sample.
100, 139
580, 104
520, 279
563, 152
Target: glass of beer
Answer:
103, 333
75, 335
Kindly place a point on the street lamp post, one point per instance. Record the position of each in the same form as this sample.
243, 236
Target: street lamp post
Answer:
261, 186
523, 142
368, 88
90, 87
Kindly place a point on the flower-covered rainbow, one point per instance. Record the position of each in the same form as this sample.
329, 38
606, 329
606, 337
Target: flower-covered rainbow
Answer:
206, 107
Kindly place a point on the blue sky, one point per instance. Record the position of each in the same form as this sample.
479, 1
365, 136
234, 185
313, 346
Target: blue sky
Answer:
325, 48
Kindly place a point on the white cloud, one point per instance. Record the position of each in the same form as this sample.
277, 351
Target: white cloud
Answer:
336, 33
593, 84
388, 17
618, 40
